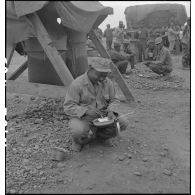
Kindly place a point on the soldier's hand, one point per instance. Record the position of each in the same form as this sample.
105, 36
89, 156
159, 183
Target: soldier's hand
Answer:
111, 115
93, 112
147, 63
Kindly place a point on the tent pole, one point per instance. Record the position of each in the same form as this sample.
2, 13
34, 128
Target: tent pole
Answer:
19, 71
77, 45
52, 53
119, 79
9, 54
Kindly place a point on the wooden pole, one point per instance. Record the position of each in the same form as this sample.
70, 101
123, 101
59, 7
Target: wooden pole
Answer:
52, 53
9, 54
19, 71
118, 77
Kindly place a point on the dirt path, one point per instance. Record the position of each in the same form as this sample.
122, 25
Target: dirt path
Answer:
151, 156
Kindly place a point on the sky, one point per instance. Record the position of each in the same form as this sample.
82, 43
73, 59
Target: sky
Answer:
119, 8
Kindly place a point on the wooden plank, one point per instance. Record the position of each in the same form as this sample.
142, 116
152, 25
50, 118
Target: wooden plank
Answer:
19, 71
35, 89
50, 50
9, 54
118, 77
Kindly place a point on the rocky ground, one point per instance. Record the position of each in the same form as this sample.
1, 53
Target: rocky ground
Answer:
151, 156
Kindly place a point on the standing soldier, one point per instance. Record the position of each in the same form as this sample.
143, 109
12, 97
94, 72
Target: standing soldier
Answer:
109, 37
120, 33
142, 43
172, 37
186, 58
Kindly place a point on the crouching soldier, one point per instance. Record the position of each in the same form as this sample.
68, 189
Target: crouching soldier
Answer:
163, 63
120, 59
89, 97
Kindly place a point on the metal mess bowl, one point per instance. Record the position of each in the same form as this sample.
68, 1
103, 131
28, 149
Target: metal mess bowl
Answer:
97, 123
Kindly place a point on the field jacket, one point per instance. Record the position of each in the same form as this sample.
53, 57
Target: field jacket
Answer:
82, 95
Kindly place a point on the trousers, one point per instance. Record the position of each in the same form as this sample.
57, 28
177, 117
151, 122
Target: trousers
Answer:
141, 49
171, 45
186, 56
160, 69
131, 60
82, 128
109, 44
122, 66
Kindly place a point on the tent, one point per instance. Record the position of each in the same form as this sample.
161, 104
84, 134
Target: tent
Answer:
78, 18
155, 15
56, 52
76, 15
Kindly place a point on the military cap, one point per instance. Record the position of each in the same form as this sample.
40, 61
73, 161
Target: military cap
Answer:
100, 64
158, 40
150, 41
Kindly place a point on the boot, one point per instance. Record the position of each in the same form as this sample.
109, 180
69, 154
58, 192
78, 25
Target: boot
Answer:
105, 142
76, 147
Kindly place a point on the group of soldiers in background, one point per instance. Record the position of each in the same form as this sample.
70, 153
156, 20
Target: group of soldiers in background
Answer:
121, 54
186, 42
175, 38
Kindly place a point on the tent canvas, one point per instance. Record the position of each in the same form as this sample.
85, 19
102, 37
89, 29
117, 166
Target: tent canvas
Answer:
26, 20
78, 18
76, 15
139, 14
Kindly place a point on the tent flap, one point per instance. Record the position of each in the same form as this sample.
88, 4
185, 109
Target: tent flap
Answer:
76, 15
79, 19
27, 7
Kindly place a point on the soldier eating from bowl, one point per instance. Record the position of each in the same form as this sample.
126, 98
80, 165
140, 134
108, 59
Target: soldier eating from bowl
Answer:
91, 96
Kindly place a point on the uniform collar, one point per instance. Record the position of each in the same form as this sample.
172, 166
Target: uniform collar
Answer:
86, 80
